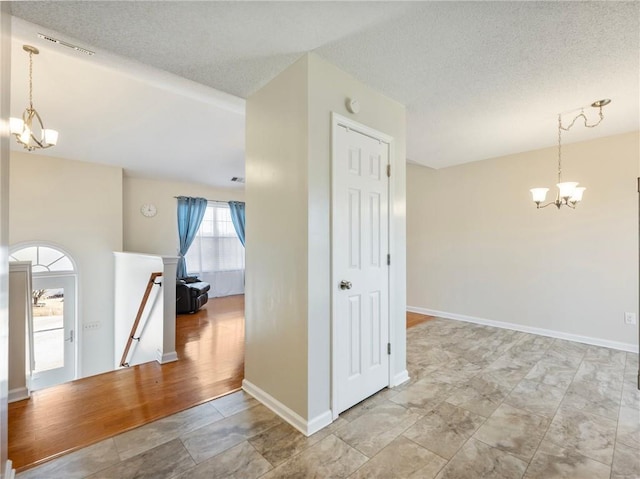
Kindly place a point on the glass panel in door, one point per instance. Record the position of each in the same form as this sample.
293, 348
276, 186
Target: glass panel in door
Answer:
53, 330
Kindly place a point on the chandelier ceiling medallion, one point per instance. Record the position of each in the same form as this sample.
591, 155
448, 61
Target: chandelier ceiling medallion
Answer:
569, 193
29, 130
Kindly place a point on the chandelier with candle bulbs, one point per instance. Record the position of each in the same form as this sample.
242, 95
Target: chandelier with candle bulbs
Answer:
569, 193
29, 130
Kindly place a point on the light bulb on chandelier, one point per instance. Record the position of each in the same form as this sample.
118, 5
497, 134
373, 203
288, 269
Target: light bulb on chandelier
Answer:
29, 130
569, 193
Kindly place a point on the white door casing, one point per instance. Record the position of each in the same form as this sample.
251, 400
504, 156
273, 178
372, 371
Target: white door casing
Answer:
53, 355
360, 245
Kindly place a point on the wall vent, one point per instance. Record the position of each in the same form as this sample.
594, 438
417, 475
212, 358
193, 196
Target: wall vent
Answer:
65, 44
237, 179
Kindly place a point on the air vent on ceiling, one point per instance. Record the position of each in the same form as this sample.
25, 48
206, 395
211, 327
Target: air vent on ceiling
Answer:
65, 44
238, 179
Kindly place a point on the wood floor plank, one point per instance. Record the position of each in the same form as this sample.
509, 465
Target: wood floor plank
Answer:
210, 347
413, 319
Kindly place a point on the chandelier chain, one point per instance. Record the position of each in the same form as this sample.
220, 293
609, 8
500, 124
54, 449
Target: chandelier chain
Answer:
584, 118
567, 128
560, 148
31, 80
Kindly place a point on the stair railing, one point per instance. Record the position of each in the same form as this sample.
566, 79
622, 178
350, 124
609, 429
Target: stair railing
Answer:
134, 328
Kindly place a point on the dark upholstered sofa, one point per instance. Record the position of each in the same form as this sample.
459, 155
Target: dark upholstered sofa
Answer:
191, 295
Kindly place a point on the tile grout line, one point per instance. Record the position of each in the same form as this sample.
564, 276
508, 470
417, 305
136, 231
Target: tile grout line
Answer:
486, 418
506, 452
615, 440
550, 418
575, 409
503, 402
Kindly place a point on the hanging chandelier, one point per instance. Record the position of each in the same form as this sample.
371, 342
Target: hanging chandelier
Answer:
29, 130
569, 193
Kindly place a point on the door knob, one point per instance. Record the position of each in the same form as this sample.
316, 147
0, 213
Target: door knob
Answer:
345, 284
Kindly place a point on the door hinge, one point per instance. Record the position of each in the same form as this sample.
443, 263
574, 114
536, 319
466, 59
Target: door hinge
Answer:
388, 348
638, 184
389, 171
388, 259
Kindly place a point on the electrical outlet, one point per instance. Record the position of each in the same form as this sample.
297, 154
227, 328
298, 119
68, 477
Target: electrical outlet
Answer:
92, 326
630, 318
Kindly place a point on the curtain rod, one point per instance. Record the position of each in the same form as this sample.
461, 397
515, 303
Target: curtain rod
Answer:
214, 201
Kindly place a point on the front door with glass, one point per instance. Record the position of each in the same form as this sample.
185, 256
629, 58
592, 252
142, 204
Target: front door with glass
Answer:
53, 341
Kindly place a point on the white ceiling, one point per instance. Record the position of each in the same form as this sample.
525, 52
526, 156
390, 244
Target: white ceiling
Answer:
479, 79
119, 113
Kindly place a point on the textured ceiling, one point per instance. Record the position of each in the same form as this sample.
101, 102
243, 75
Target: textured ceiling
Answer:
479, 79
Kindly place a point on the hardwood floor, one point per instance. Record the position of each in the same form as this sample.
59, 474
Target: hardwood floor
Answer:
210, 345
413, 319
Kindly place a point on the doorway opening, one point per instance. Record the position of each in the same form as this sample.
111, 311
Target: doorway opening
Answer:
51, 333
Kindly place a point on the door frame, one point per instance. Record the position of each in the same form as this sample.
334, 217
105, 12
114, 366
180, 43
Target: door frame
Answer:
77, 304
339, 121
73, 278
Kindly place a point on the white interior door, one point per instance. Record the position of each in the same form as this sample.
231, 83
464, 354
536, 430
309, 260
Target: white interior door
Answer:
360, 275
53, 330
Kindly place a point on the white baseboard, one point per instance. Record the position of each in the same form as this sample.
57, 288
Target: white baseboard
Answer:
528, 329
9, 471
164, 358
319, 422
305, 427
401, 377
18, 394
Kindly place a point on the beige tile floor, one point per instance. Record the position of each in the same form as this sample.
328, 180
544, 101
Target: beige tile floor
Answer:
481, 403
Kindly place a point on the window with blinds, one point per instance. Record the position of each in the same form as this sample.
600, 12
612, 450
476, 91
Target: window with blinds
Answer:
216, 254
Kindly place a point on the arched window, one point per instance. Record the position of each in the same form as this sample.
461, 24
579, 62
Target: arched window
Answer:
44, 259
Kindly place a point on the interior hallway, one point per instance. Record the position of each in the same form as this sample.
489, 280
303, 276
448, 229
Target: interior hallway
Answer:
210, 345
481, 402
60, 419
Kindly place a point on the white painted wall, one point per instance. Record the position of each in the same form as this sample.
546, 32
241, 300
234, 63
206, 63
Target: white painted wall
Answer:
77, 206
5, 81
159, 235
478, 247
288, 284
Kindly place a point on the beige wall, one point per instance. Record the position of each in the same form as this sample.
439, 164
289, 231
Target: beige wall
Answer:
288, 256
159, 235
91, 211
276, 239
77, 206
478, 247
19, 318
